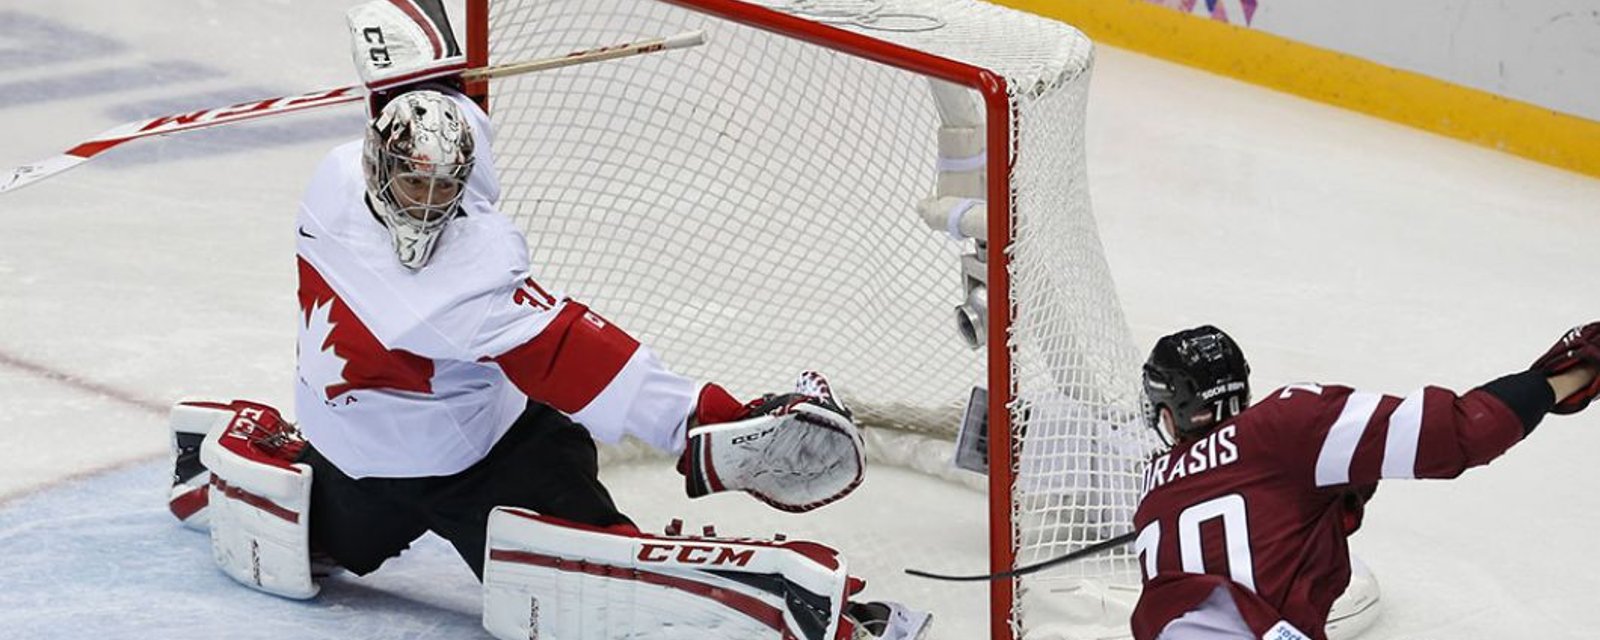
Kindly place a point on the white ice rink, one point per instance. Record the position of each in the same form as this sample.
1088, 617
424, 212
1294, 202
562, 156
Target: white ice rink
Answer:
1335, 247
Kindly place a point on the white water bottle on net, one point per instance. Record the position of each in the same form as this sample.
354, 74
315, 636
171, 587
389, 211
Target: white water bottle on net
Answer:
892, 192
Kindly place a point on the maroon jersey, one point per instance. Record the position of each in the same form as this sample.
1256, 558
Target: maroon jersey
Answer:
1263, 505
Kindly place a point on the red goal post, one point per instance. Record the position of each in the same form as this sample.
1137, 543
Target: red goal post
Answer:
821, 23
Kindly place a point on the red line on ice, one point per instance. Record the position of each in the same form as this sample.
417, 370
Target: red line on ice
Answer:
92, 388
87, 386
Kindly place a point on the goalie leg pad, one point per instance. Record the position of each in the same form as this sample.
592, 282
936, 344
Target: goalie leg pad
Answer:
548, 578
189, 423
259, 500
805, 456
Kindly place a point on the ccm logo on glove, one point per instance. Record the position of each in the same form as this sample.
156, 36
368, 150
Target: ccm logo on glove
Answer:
752, 437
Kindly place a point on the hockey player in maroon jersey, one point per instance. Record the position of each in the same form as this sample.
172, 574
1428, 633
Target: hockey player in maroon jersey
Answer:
442, 387
1243, 525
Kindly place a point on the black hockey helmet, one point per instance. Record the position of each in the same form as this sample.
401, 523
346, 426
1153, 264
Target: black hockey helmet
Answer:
1201, 376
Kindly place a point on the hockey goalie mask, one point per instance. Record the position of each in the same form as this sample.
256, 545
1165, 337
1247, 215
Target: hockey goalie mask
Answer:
1201, 376
417, 158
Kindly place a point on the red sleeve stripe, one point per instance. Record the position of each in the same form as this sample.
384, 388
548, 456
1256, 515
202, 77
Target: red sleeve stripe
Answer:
571, 361
1405, 431
1339, 448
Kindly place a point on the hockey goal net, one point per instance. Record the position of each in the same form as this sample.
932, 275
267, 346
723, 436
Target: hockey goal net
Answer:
804, 192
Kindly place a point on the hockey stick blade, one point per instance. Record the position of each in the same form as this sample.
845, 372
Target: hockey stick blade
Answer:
254, 109
1105, 545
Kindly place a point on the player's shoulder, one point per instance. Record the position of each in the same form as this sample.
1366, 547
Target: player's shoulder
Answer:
1302, 395
475, 271
495, 242
481, 253
1289, 411
337, 173
341, 163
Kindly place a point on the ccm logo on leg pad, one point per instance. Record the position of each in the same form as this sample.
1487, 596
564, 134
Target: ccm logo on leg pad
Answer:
696, 554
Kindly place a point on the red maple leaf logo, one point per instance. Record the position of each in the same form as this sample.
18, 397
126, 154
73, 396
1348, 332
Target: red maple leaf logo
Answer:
332, 333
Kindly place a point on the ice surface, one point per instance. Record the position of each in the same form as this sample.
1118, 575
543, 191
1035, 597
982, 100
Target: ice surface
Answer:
101, 559
1335, 247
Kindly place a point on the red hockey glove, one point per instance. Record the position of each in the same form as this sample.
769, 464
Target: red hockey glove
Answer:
1580, 346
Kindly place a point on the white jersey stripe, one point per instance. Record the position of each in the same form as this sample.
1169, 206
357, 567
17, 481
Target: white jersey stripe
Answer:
1405, 430
1333, 464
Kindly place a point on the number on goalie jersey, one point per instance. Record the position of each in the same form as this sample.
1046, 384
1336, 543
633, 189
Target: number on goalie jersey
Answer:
1244, 522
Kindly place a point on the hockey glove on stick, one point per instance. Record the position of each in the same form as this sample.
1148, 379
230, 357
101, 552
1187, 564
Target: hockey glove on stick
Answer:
1580, 346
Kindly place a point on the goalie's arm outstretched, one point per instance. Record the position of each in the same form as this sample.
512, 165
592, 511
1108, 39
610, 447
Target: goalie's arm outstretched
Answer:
795, 451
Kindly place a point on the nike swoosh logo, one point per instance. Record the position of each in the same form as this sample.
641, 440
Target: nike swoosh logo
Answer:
307, 235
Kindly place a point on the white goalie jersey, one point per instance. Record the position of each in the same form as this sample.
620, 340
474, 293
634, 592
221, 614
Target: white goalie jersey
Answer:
418, 373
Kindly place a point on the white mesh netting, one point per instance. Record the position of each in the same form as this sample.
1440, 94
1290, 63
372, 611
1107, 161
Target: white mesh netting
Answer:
747, 208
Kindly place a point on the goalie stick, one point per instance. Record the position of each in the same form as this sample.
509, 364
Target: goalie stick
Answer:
1105, 545
255, 109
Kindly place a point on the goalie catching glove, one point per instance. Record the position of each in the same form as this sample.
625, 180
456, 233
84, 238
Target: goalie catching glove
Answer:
1579, 347
795, 451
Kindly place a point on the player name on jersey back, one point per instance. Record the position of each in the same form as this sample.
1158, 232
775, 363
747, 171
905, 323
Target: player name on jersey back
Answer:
1216, 450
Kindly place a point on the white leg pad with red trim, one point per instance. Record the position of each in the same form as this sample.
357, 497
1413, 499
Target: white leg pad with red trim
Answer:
259, 504
554, 580
189, 424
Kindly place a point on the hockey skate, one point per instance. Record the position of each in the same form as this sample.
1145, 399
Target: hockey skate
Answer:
884, 620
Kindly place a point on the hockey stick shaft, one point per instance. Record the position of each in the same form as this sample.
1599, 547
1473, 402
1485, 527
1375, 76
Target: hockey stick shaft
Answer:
1090, 550
256, 109
680, 41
